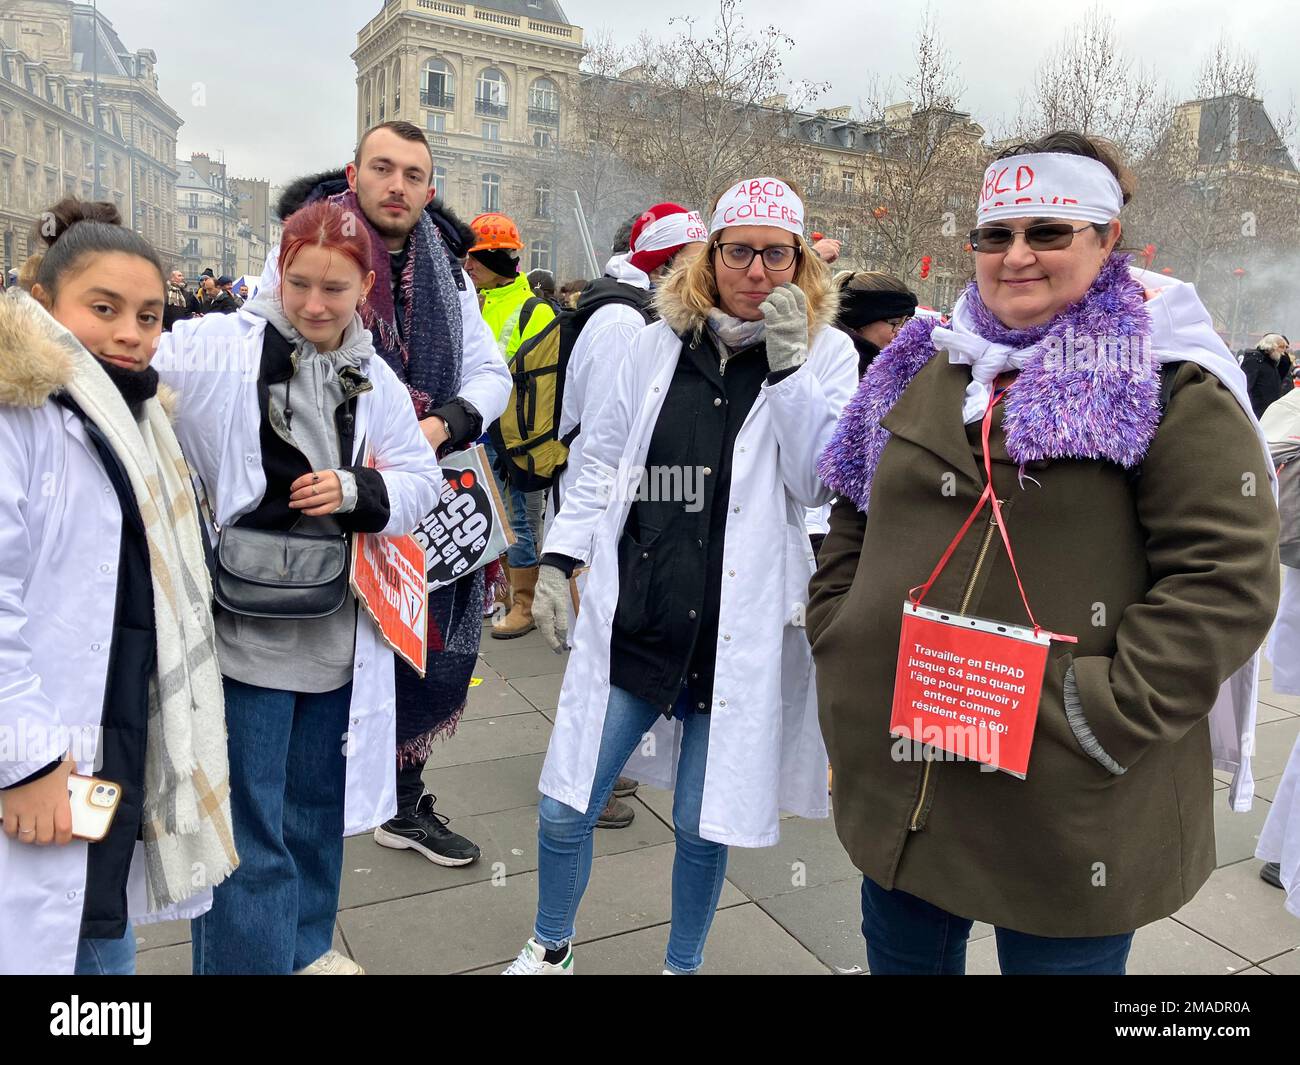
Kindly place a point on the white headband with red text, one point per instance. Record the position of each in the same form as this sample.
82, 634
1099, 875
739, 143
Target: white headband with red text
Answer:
1049, 185
762, 201
672, 231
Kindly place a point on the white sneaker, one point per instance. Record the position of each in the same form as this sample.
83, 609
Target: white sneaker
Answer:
532, 962
332, 963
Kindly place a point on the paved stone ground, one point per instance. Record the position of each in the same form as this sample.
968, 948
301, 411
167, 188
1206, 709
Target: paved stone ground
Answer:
401, 914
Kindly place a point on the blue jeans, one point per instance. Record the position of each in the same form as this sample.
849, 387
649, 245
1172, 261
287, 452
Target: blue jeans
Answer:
907, 936
106, 957
564, 836
526, 512
275, 913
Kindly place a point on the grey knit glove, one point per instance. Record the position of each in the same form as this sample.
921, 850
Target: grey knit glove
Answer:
786, 313
551, 607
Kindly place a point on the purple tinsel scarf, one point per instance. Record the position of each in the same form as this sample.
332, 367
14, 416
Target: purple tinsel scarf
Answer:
1105, 411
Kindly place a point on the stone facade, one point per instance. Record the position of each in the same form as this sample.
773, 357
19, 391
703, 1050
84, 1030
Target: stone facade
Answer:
71, 95
486, 83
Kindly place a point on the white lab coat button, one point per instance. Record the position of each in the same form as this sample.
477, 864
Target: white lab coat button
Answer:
94, 647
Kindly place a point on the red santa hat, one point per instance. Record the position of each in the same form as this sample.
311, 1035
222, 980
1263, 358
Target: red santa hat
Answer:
661, 232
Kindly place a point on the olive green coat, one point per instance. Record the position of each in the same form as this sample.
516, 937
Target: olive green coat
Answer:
1170, 582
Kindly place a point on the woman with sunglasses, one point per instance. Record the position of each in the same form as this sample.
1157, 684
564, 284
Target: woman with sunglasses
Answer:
689, 648
1131, 514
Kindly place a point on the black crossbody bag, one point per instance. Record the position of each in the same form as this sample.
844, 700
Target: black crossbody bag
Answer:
265, 573
262, 572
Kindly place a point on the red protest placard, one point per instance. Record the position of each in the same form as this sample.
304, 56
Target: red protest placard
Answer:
388, 580
969, 686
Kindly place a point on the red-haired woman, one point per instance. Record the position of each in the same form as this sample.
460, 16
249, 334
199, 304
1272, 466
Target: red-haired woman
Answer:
277, 403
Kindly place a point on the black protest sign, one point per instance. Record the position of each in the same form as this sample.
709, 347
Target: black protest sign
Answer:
465, 530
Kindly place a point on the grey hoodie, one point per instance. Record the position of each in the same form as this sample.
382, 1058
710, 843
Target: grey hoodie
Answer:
311, 655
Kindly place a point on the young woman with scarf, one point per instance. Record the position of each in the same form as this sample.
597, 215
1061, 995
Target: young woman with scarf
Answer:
107, 652
1134, 489
293, 425
689, 648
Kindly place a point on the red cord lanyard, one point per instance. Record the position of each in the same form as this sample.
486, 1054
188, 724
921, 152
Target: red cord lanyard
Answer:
916, 595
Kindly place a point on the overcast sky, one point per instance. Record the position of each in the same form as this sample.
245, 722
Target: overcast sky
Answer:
280, 86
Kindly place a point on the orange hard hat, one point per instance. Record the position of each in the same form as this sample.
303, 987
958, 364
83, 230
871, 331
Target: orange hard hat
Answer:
495, 232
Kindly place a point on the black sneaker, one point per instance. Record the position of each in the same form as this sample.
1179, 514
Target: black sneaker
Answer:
1271, 873
425, 830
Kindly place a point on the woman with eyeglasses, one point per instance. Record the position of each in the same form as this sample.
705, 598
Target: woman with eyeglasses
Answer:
874, 307
689, 648
1126, 554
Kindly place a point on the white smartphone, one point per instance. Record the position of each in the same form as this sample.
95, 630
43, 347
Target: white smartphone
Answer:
94, 805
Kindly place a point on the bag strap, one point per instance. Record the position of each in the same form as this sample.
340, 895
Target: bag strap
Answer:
989, 495
526, 312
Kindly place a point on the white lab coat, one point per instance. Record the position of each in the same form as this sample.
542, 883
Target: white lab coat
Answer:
60, 534
593, 366
212, 363
1279, 841
765, 747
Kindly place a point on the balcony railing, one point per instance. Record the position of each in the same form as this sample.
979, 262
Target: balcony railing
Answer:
543, 116
446, 101
490, 109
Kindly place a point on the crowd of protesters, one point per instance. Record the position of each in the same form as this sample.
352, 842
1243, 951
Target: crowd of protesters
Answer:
874, 511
